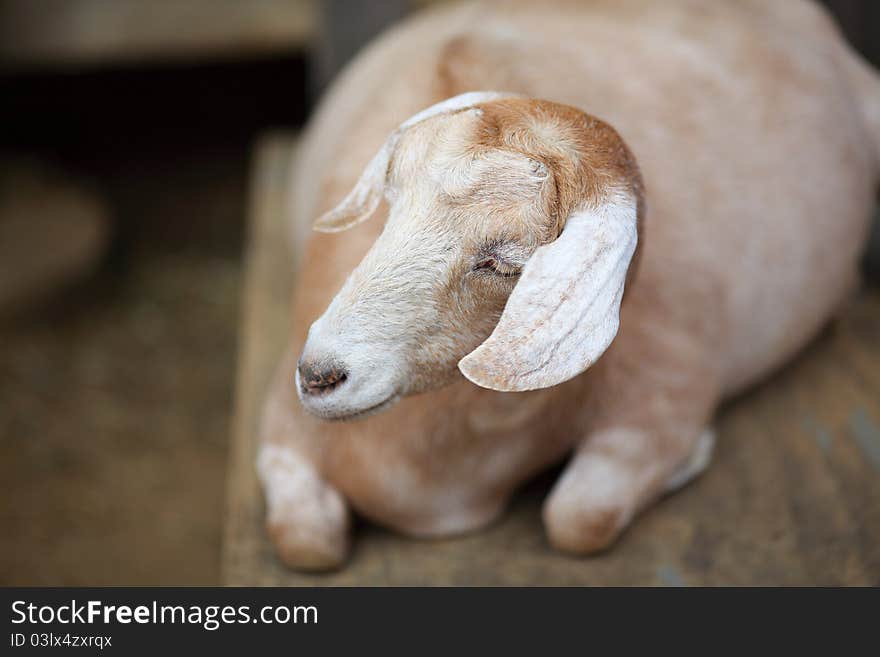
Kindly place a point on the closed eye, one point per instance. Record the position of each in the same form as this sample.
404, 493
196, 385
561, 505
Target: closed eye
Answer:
496, 267
499, 257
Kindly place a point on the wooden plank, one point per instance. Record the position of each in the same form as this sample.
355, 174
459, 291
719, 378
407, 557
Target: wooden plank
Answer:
67, 33
792, 497
264, 321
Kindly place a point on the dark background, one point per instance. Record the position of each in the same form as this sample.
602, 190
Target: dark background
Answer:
117, 349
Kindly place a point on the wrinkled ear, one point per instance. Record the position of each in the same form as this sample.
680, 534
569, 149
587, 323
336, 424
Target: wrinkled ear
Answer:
563, 313
364, 198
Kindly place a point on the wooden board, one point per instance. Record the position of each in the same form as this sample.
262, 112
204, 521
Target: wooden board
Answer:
792, 497
72, 33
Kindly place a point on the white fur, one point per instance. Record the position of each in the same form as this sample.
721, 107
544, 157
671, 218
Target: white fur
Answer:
291, 483
364, 198
309, 517
695, 464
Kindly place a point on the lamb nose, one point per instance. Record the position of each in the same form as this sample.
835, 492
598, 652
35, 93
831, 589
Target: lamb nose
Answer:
320, 379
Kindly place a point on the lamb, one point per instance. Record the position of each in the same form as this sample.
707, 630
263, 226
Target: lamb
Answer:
520, 280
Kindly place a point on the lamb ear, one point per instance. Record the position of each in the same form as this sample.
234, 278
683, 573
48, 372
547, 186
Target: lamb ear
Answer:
364, 198
362, 201
563, 313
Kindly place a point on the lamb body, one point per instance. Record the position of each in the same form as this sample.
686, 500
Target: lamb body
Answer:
757, 134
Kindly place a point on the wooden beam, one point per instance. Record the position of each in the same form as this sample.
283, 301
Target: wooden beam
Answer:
37, 34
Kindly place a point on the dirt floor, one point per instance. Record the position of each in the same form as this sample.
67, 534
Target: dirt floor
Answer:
116, 390
115, 422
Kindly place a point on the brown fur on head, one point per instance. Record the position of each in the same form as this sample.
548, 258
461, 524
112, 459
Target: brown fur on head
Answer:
511, 229
585, 155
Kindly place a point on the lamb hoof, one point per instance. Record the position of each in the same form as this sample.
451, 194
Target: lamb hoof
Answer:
313, 551
583, 532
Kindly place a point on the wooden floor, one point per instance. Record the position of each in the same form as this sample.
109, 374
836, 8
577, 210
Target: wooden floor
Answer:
792, 497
